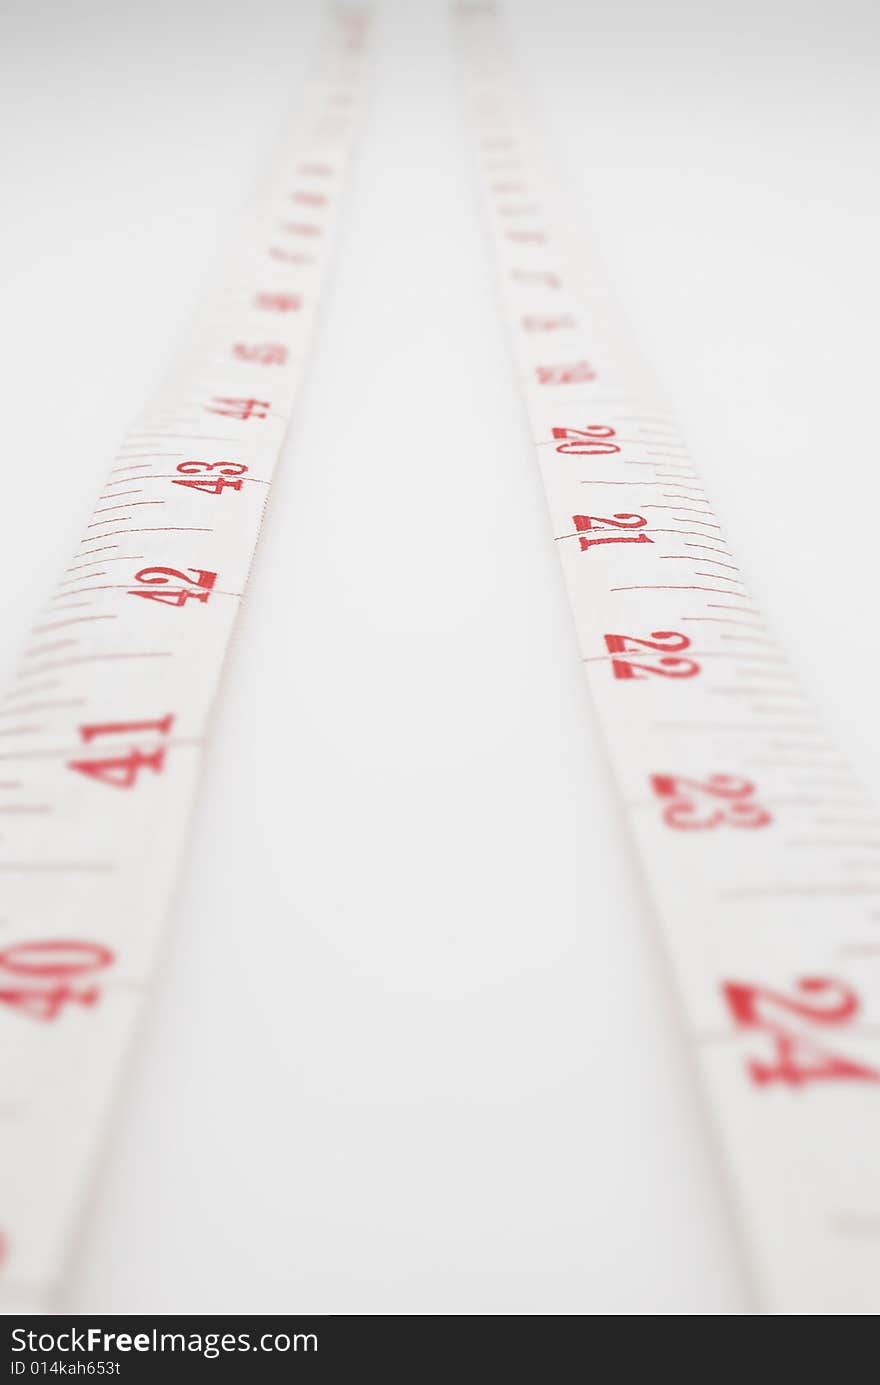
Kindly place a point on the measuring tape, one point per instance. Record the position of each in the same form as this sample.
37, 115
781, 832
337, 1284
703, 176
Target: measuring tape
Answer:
105, 721
755, 839
757, 843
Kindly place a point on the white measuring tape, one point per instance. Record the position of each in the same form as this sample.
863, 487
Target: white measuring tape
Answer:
755, 839
104, 723
757, 842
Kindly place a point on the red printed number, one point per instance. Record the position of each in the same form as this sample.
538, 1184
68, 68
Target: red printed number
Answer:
36, 977
585, 523
197, 588
121, 771
668, 642
215, 485
238, 408
721, 799
289, 257
533, 323
573, 373
124, 728
798, 1058
263, 353
594, 441
278, 302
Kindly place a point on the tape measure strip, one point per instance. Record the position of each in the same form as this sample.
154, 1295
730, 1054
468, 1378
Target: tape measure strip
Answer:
756, 840
104, 723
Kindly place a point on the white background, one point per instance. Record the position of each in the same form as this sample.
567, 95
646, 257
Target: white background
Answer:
412, 1048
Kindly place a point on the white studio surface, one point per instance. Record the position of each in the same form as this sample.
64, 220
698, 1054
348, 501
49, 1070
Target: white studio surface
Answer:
412, 1048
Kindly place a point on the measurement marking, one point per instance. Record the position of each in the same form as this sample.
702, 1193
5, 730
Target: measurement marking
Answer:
45, 648
677, 508
43, 707
686, 558
39, 687
97, 658
171, 476
72, 620
108, 549
721, 620
710, 548
675, 588
132, 504
743, 610
156, 529
679, 532
123, 587
123, 558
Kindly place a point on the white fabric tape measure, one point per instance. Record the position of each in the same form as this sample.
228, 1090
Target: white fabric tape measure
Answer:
757, 843
106, 716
